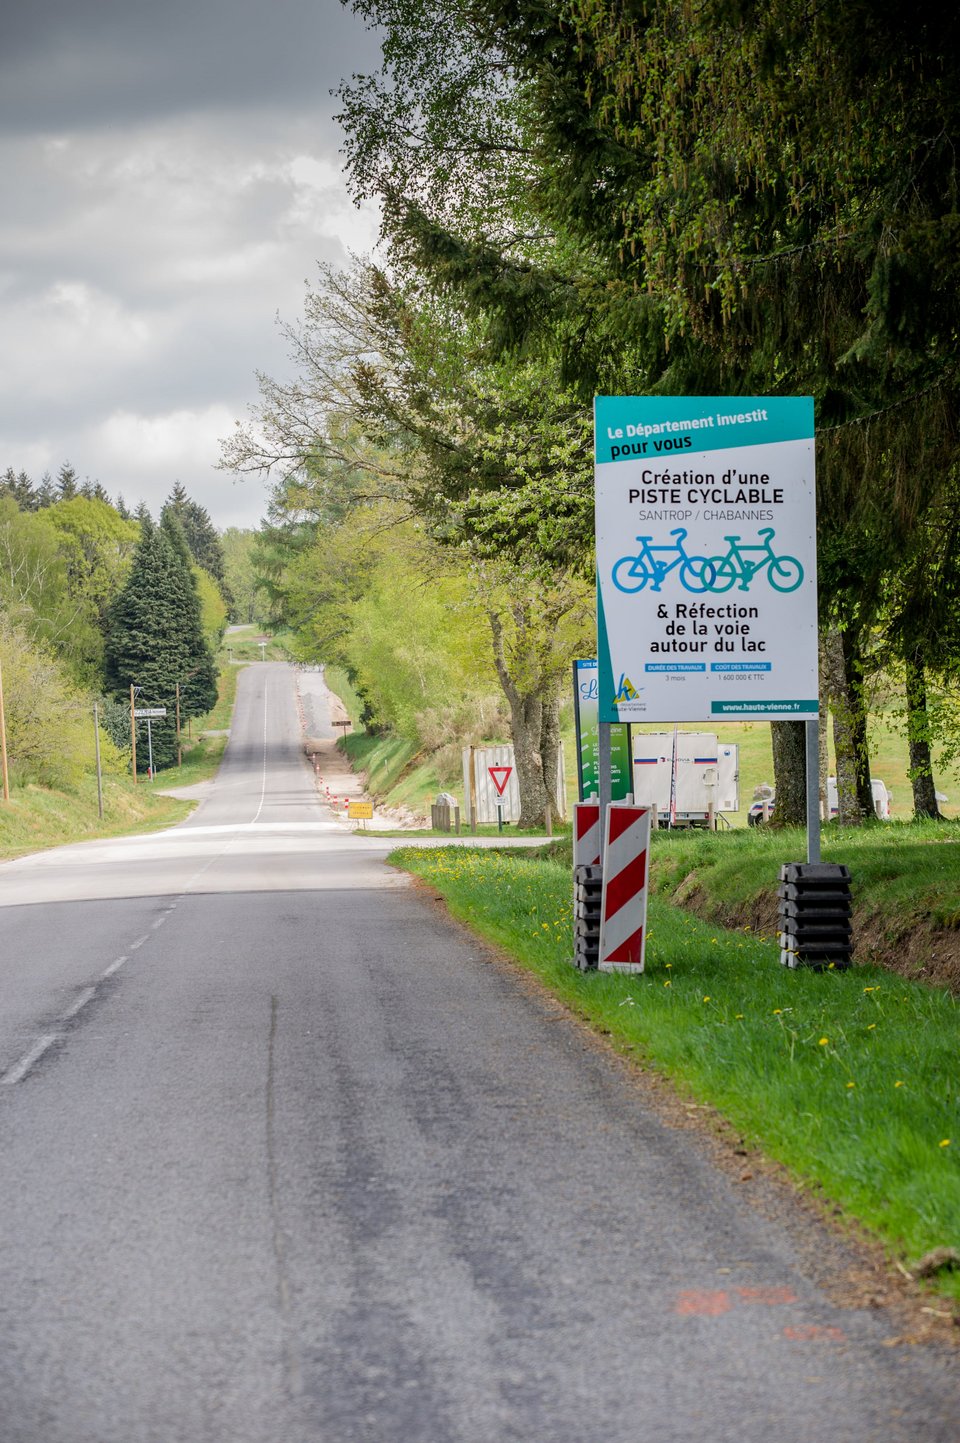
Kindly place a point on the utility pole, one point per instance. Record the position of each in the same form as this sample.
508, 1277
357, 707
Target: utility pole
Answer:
96, 744
133, 733
3, 742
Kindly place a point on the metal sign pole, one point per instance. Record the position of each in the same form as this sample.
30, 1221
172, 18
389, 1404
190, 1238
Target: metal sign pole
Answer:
605, 777
812, 729
133, 733
3, 743
96, 747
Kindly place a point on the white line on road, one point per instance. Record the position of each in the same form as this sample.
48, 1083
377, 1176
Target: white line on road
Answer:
80, 1003
263, 785
139, 942
20, 1069
114, 967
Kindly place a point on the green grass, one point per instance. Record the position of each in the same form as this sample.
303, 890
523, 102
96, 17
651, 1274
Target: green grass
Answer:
907, 874
775, 1051
340, 684
38, 817
201, 760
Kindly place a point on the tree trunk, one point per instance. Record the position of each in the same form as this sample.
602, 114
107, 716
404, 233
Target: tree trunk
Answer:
526, 729
918, 738
858, 720
550, 750
789, 772
844, 676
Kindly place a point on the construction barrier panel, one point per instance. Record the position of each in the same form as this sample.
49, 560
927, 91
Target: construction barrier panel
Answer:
623, 914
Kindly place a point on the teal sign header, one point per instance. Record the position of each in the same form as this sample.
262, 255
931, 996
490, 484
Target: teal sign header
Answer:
659, 429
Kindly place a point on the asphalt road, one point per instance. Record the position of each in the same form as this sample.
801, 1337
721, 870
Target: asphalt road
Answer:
286, 1158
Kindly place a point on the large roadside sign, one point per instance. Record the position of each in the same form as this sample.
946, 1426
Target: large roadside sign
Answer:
706, 558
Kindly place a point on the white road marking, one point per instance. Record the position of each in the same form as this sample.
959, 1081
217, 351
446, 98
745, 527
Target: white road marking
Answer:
20, 1069
114, 967
139, 942
81, 1002
263, 785
158, 923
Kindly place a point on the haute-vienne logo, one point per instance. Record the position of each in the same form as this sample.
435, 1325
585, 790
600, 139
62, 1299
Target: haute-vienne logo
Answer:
626, 691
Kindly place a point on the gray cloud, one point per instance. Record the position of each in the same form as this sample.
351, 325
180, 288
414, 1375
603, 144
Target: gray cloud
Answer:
171, 178
95, 62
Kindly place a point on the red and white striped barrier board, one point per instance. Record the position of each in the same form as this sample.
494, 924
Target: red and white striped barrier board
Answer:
586, 834
623, 912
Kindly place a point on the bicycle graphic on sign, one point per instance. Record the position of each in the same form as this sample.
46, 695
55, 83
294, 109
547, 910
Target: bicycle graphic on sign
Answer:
632, 573
742, 563
784, 573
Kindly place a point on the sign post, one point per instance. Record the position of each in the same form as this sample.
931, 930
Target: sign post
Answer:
3, 744
149, 714
500, 776
133, 733
706, 561
96, 747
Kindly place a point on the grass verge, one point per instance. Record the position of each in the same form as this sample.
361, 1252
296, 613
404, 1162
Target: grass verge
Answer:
905, 880
37, 817
848, 1078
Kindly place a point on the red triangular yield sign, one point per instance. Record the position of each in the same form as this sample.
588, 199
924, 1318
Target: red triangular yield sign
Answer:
500, 776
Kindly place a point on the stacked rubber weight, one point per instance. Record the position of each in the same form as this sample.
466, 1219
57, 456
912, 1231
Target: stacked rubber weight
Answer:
587, 895
815, 911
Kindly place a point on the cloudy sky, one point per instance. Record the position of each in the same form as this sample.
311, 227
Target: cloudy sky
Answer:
171, 177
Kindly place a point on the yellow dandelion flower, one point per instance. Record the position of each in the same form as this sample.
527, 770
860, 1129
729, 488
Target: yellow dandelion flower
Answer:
668, 983
871, 1026
851, 1084
824, 1042
706, 999
898, 1084
778, 1012
739, 1015
945, 1142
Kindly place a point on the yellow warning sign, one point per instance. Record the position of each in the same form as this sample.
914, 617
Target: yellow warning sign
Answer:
360, 811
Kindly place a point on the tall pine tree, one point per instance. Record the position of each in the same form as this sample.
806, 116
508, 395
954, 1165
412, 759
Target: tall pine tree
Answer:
155, 638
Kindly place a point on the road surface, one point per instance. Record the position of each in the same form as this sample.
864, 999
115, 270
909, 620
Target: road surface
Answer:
286, 1158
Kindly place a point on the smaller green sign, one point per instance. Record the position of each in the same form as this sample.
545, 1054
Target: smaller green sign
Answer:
586, 711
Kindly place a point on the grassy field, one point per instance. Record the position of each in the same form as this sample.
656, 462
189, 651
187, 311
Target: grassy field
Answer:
242, 644
848, 1078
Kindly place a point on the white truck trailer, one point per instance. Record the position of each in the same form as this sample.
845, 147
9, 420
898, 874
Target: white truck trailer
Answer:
691, 770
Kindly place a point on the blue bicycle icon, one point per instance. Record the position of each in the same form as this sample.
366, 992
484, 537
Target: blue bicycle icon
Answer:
783, 572
632, 573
